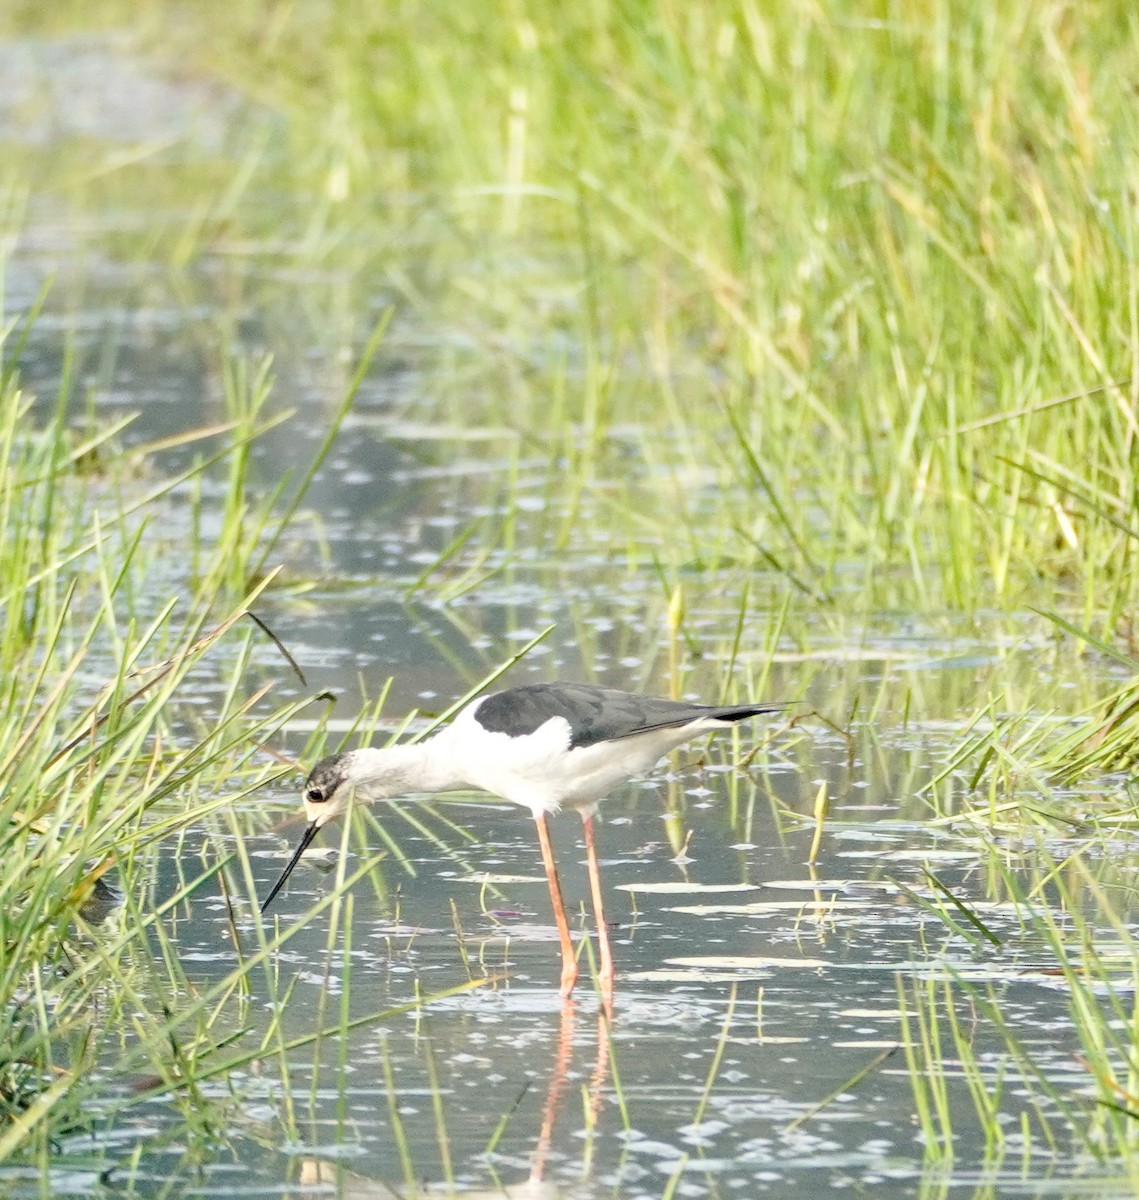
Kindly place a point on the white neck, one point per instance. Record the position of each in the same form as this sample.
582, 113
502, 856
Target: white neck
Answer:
379, 773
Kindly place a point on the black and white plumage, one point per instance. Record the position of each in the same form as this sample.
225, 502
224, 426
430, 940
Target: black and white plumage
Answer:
544, 746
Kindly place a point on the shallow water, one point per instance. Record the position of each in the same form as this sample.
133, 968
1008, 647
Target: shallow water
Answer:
758, 1036
788, 980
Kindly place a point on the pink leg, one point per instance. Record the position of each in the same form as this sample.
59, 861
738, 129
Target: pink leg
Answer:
605, 975
569, 960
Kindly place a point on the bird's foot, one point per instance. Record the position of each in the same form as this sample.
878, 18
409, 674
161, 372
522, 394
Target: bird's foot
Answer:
569, 977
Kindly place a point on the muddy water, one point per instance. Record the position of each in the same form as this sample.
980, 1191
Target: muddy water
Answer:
758, 1042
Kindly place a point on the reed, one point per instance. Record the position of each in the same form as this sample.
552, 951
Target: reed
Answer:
105, 764
834, 284
830, 310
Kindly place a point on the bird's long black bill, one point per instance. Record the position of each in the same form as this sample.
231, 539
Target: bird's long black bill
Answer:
306, 839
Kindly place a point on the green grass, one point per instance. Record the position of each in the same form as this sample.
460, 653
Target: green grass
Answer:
834, 310
830, 309
110, 631
971, 1064
865, 276
94, 769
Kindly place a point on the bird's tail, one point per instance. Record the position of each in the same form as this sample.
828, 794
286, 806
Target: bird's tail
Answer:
740, 712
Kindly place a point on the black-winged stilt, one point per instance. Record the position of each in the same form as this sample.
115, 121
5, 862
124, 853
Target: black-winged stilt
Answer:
546, 746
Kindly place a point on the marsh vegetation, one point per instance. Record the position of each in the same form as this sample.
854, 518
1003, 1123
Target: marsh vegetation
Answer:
725, 349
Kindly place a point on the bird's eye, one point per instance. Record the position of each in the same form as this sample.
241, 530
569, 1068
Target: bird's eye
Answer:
315, 795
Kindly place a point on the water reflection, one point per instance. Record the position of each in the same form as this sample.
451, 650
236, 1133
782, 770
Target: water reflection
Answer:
557, 1069
754, 990
430, 547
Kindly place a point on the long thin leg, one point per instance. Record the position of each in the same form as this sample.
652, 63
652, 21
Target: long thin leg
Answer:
569, 960
605, 974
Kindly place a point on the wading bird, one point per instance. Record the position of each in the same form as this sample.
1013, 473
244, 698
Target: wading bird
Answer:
545, 746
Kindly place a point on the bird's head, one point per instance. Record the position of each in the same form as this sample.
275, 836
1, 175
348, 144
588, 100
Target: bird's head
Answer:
365, 774
328, 789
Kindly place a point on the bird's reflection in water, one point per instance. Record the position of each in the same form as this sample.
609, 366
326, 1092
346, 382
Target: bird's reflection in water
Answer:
559, 1077
325, 1177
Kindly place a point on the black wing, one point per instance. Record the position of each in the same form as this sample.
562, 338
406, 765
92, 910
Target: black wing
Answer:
596, 714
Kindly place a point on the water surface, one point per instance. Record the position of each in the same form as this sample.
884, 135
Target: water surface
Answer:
759, 1042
